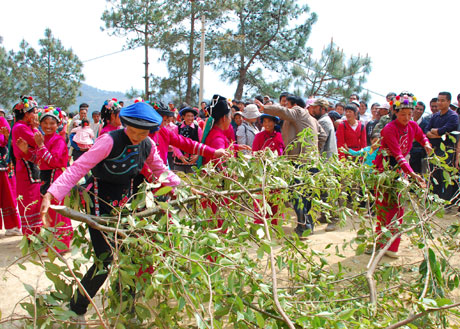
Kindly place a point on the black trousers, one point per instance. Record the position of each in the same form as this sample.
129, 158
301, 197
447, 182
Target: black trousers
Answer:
417, 156
92, 282
444, 192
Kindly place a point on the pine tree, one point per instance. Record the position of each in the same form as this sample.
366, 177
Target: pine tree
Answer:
142, 22
53, 74
265, 36
332, 75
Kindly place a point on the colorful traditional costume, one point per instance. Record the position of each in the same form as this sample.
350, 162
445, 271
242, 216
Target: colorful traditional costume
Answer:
396, 142
27, 173
52, 159
8, 204
114, 162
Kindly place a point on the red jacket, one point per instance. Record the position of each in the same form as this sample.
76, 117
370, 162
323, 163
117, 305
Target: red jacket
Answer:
353, 139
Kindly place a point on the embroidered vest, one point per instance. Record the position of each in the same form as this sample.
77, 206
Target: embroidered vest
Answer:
125, 160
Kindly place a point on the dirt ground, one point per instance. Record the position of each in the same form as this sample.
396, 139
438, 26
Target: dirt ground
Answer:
12, 277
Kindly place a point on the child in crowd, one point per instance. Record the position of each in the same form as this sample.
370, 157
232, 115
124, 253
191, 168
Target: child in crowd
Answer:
84, 135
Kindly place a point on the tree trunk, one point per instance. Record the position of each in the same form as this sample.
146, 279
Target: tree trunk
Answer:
48, 80
241, 82
146, 63
188, 93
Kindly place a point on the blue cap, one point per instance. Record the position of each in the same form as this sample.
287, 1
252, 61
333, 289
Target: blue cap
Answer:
141, 115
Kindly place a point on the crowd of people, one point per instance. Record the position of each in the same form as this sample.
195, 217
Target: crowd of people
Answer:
45, 153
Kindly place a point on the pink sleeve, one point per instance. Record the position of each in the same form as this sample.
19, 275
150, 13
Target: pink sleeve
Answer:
157, 166
3, 139
391, 140
56, 156
69, 178
190, 146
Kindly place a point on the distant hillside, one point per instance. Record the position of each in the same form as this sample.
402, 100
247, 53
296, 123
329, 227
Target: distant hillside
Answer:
95, 98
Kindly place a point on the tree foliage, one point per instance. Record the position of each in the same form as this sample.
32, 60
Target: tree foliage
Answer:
142, 22
246, 275
266, 34
332, 75
53, 74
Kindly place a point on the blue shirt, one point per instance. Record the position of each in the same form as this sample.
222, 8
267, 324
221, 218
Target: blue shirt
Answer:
445, 123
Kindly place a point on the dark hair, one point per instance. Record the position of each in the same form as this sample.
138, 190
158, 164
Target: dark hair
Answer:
295, 100
83, 122
301, 102
204, 102
391, 94
291, 99
106, 114
284, 94
458, 98
351, 107
447, 94
422, 104
363, 102
83, 105
434, 100
375, 104
236, 108
96, 113
354, 94
71, 115
340, 104
259, 98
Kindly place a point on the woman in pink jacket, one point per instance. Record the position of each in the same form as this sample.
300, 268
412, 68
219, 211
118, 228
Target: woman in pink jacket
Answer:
27, 173
269, 137
51, 156
8, 204
397, 139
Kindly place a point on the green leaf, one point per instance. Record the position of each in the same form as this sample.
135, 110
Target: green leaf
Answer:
164, 190
260, 320
29, 289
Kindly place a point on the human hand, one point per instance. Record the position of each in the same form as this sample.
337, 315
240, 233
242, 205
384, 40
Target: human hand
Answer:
419, 180
4, 131
259, 104
39, 139
184, 160
221, 153
22, 145
244, 147
193, 158
428, 149
44, 209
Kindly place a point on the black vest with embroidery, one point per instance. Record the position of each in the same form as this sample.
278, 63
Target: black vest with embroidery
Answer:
125, 160
188, 131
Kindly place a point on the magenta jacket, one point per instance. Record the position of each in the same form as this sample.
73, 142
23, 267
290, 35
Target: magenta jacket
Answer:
397, 141
165, 137
272, 140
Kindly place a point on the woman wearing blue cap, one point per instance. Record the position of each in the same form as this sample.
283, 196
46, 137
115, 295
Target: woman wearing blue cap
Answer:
115, 159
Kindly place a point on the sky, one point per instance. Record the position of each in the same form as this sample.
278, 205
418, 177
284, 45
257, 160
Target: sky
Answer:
410, 42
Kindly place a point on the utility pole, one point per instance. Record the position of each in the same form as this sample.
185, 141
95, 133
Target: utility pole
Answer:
200, 97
